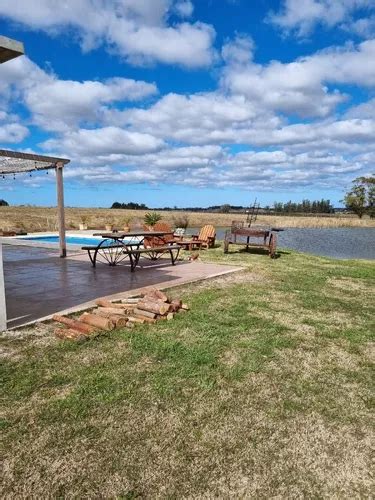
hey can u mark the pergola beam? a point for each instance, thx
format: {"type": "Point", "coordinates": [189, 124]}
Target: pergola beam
{"type": "Point", "coordinates": [16, 162]}
{"type": "Point", "coordinates": [9, 49]}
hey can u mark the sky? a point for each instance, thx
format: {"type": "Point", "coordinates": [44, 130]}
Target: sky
{"type": "Point", "coordinates": [190, 102]}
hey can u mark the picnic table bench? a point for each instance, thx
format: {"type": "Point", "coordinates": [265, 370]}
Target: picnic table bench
{"type": "Point", "coordinates": [113, 249]}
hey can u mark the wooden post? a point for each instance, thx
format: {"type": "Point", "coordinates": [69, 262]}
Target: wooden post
{"type": "Point", "coordinates": [3, 309]}
{"type": "Point", "coordinates": [60, 208]}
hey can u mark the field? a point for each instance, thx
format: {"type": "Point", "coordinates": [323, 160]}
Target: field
{"type": "Point", "coordinates": [264, 389]}
{"type": "Point", "coordinates": [34, 219]}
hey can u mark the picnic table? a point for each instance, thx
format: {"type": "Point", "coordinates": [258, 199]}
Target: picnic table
{"type": "Point", "coordinates": [118, 246]}
{"type": "Point", "coordinates": [265, 238]}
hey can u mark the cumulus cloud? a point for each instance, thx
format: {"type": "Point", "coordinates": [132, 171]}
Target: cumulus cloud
{"type": "Point", "coordinates": [13, 132]}
{"type": "Point", "coordinates": [301, 16]}
{"type": "Point", "coordinates": [184, 8]}
{"type": "Point", "coordinates": [104, 141]}
{"type": "Point", "coordinates": [137, 29]}
{"type": "Point", "coordinates": [59, 105]}
{"type": "Point", "coordinates": [300, 87]}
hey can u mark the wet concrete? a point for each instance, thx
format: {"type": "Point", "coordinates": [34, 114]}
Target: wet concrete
{"type": "Point", "coordinates": [39, 283]}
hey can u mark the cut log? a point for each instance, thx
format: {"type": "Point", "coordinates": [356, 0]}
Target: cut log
{"type": "Point", "coordinates": [155, 307]}
{"type": "Point", "coordinates": [145, 319]}
{"type": "Point", "coordinates": [69, 334]}
{"type": "Point", "coordinates": [130, 300]}
{"type": "Point", "coordinates": [155, 294]}
{"type": "Point", "coordinates": [129, 324]}
{"type": "Point", "coordinates": [141, 312]}
{"type": "Point", "coordinates": [74, 324]}
{"type": "Point", "coordinates": [176, 305]}
{"type": "Point", "coordinates": [185, 307]}
{"type": "Point", "coordinates": [98, 321]}
{"type": "Point", "coordinates": [114, 305]}
{"type": "Point", "coordinates": [170, 316]}
{"type": "Point", "coordinates": [112, 310]}
{"type": "Point", "coordinates": [118, 320]}
{"type": "Point", "coordinates": [133, 319]}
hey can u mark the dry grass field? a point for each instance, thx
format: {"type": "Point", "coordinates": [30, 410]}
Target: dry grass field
{"type": "Point", "coordinates": [34, 219]}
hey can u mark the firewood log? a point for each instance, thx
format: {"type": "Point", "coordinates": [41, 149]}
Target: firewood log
{"type": "Point", "coordinates": [74, 324]}
{"type": "Point", "coordinates": [144, 318]}
{"type": "Point", "coordinates": [129, 324]}
{"type": "Point", "coordinates": [176, 305]}
{"type": "Point", "coordinates": [155, 294]}
{"type": "Point", "coordinates": [170, 316]}
{"type": "Point", "coordinates": [155, 307]}
{"type": "Point", "coordinates": [118, 320]}
{"type": "Point", "coordinates": [133, 319]}
{"type": "Point", "coordinates": [69, 334]}
{"type": "Point", "coordinates": [185, 307]}
{"type": "Point", "coordinates": [112, 310]}
{"type": "Point", "coordinates": [130, 300]}
{"type": "Point", "coordinates": [113, 305]}
{"type": "Point", "coordinates": [98, 321]}
{"type": "Point", "coordinates": [141, 312]}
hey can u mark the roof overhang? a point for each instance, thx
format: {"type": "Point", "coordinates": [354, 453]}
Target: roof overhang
{"type": "Point", "coordinates": [14, 162]}
{"type": "Point", "coordinates": [9, 49]}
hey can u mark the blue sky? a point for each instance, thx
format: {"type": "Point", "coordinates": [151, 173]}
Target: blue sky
{"type": "Point", "coordinates": [190, 102]}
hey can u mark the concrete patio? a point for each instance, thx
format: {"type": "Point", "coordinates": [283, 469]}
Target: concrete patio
{"type": "Point", "coordinates": [38, 283]}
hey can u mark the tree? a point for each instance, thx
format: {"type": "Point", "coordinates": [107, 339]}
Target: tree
{"type": "Point", "coordinates": [4, 203]}
{"type": "Point", "coordinates": [361, 197]}
{"type": "Point", "coordinates": [225, 209]}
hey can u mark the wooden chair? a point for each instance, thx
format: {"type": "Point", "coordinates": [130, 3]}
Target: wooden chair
{"type": "Point", "coordinates": [155, 241]}
{"type": "Point", "coordinates": [206, 236]}
{"type": "Point", "coordinates": [205, 239]}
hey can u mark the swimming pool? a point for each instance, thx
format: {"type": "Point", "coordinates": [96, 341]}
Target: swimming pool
{"type": "Point", "coordinates": [70, 240]}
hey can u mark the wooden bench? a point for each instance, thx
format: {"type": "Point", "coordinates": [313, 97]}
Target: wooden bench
{"type": "Point", "coordinates": [153, 253]}
{"type": "Point", "coordinates": [115, 253]}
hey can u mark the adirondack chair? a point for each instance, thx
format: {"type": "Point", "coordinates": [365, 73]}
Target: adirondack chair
{"type": "Point", "coordinates": [205, 238]}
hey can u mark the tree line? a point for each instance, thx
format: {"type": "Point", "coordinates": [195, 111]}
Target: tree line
{"type": "Point", "coordinates": [305, 206]}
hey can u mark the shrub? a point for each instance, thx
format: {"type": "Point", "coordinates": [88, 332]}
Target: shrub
{"type": "Point", "coordinates": [181, 221]}
{"type": "Point", "coordinates": [151, 218]}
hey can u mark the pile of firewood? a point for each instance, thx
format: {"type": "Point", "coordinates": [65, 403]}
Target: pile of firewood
{"type": "Point", "coordinates": [153, 306]}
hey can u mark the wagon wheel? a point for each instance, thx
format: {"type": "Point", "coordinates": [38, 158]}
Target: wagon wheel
{"type": "Point", "coordinates": [272, 245]}
{"type": "Point", "coordinates": [110, 252]}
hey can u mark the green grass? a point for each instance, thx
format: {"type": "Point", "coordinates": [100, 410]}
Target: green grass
{"type": "Point", "coordinates": [264, 388]}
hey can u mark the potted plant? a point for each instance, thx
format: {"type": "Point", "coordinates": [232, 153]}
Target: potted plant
{"type": "Point", "coordinates": [127, 221]}
{"type": "Point", "coordinates": [151, 218]}
{"type": "Point", "coordinates": [109, 225]}
{"type": "Point", "coordinates": [83, 224]}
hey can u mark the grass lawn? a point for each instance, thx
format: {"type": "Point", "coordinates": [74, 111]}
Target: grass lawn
{"type": "Point", "coordinates": [262, 389]}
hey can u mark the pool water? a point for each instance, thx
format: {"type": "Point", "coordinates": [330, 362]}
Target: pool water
{"type": "Point", "coordinates": [70, 240]}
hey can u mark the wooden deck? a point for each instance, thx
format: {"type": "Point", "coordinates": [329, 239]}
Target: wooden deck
{"type": "Point", "coordinates": [39, 283]}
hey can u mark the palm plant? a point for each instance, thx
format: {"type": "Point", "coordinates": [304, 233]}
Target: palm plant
{"type": "Point", "coordinates": [151, 218]}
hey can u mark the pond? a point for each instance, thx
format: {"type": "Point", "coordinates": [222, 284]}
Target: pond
{"type": "Point", "coordinates": [340, 243]}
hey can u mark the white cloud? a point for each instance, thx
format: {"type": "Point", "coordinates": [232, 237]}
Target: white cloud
{"type": "Point", "coordinates": [184, 8]}
{"type": "Point", "coordinates": [300, 87]}
{"type": "Point", "coordinates": [13, 133]}
{"type": "Point", "coordinates": [59, 105]}
{"type": "Point", "coordinates": [137, 29]}
{"type": "Point", "coordinates": [104, 141]}
{"type": "Point", "coordinates": [301, 16]}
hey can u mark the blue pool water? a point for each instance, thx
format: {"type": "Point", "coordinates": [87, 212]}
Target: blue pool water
{"type": "Point", "coordinates": [70, 240]}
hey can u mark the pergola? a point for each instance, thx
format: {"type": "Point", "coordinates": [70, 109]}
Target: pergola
{"type": "Point", "coordinates": [9, 49]}
{"type": "Point", "coordinates": [13, 162]}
